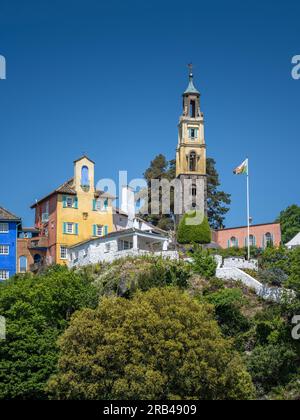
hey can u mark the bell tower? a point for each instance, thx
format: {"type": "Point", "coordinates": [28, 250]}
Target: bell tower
{"type": "Point", "coordinates": [191, 150]}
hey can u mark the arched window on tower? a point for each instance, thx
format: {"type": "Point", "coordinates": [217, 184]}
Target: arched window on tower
{"type": "Point", "coordinates": [192, 109]}
{"type": "Point", "coordinates": [192, 161]}
{"type": "Point", "coordinates": [194, 190]}
{"type": "Point", "coordinates": [85, 182]}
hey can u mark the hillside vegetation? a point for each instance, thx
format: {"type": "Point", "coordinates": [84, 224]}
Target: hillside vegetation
{"type": "Point", "coordinates": [149, 328]}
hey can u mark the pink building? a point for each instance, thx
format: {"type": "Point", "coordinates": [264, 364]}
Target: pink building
{"type": "Point", "coordinates": [260, 236]}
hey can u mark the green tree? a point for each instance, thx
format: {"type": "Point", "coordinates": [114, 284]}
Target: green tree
{"type": "Point", "coordinates": [37, 310]}
{"type": "Point", "coordinates": [290, 222]}
{"type": "Point", "coordinates": [218, 201]}
{"type": "Point", "coordinates": [161, 344]}
{"type": "Point", "coordinates": [188, 233]}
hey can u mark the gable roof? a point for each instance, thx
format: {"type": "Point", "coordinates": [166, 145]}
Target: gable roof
{"type": "Point", "coordinates": [66, 188]}
{"type": "Point", "coordinates": [7, 215]}
{"type": "Point", "coordinates": [84, 157]}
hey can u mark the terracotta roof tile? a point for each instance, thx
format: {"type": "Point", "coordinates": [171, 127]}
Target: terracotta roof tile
{"type": "Point", "coordinates": [7, 215]}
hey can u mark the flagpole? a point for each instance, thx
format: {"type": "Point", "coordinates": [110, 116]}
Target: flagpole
{"type": "Point", "coordinates": [248, 209]}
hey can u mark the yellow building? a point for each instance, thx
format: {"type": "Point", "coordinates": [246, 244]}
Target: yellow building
{"type": "Point", "coordinates": [72, 213]}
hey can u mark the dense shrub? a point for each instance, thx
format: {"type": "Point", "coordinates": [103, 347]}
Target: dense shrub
{"type": "Point", "coordinates": [37, 310]}
{"type": "Point", "coordinates": [272, 276]}
{"type": "Point", "coordinates": [193, 233]}
{"type": "Point", "coordinates": [271, 365]}
{"type": "Point", "coordinates": [203, 263]}
{"type": "Point", "coordinates": [125, 276]}
{"type": "Point", "coordinates": [227, 303]}
{"type": "Point", "coordinates": [161, 344]}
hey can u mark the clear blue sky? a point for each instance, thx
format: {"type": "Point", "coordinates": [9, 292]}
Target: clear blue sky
{"type": "Point", "coordinates": [106, 78]}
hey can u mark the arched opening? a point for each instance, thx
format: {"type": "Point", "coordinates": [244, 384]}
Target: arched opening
{"type": "Point", "coordinates": [192, 161]}
{"type": "Point", "coordinates": [37, 259]}
{"type": "Point", "coordinates": [23, 264]}
{"type": "Point", "coordinates": [192, 109]}
{"type": "Point", "coordinates": [252, 240]}
{"type": "Point", "coordinates": [233, 242]}
{"type": "Point", "coordinates": [85, 181]}
{"type": "Point", "coordinates": [268, 239]}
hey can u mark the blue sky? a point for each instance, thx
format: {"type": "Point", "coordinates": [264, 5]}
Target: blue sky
{"type": "Point", "coordinates": [106, 78]}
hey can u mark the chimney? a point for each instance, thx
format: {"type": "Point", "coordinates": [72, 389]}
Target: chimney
{"type": "Point", "coordinates": [128, 203]}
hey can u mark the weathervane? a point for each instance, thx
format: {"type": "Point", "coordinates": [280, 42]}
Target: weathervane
{"type": "Point", "coordinates": [190, 66]}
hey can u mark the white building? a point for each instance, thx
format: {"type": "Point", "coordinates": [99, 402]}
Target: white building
{"type": "Point", "coordinates": [119, 244]}
{"type": "Point", "coordinates": [132, 236]}
{"type": "Point", "coordinates": [294, 242]}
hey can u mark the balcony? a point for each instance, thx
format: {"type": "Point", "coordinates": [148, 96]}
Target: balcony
{"type": "Point", "coordinates": [40, 242]}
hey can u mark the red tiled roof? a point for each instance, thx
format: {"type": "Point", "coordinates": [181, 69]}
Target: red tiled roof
{"type": "Point", "coordinates": [66, 188]}
{"type": "Point", "coordinates": [7, 215]}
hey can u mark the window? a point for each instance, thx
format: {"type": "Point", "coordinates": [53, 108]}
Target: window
{"type": "Point", "coordinates": [252, 240]}
{"type": "Point", "coordinates": [268, 239]}
{"type": "Point", "coordinates": [4, 249]}
{"type": "Point", "coordinates": [45, 214]}
{"type": "Point", "coordinates": [100, 205]}
{"type": "Point", "coordinates": [124, 245]}
{"type": "Point", "coordinates": [4, 274]}
{"type": "Point", "coordinates": [98, 230]}
{"type": "Point", "coordinates": [193, 133]}
{"type": "Point", "coordinates": [234, 242]}
{"type": "Point", "coordinates": [107, 247]}
{"type": "Point", "coordinates": [70, 228]}
{"type": "Point", "coordinates": [70, 202]}
{"type": "Point", "coordinates": [192, 162]}
{"type": "Point", "coordinates": [63, 253]}
{"type": "Point", "coordinates": [23, 264]}
{"type": "Point", "coordinates": [4, 228]}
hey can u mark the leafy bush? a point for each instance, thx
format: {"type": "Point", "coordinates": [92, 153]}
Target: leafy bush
{"type": "Point", "coordinates": [198, 233]}
{"type": "Point", "coordinates": [271, 365]}
{"type": "Point", "coordinates": [227, 303]}
{"type": "Point", "coordinates": [203, 263]}
{"type": "Point", "coordinates": [123, 277]}
{"type": "Point", "coordinates": [161, 344]}
{"type": "Point", "coordinates": [272, 276]}
{"type": "Point", "coordinates": [37, 310]}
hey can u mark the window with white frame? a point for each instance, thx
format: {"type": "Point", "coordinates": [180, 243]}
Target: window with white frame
{"type": "Point", "coordinates": [69, 202]}
{"type": "Point", "coordinates": [124, 245]}
{"type": "Point", "coordinates": [4, 274]}
{"type": "Point", "coordinates": [99, 230]}
{"type": "Point", "coordinates": [63, 253]}
{"type": "Point", "coordinates": [4, 228]}
{"type": "Point", "coordinates": [4, 249]}
{"type": "Point", "coordinates": [70, 228]}
{"type": "Point", "coordinates": [107, 247]}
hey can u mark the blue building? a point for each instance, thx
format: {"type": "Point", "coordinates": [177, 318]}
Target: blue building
{"type": "Point", "coordinates": [9, 224]}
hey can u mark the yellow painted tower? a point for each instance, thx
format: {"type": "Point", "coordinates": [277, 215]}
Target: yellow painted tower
{"type": "Point", "coordinates": [191, 150]}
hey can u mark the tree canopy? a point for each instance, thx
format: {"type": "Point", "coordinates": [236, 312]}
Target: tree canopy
{"type": "Point", "coordinates": [37, 309]}
{"type": "Point", "coordinates": [290, 222]}
{"type": "Point", "coordinates": [198, 233]}
{"type": "Point", "coordinates": [218, 201]}
{"type": "Point", "coordinates": [161, 344]}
